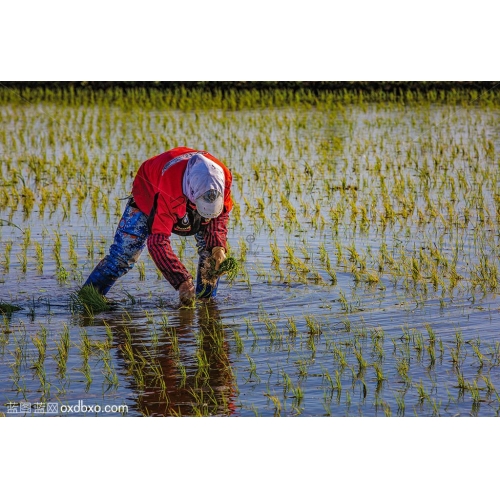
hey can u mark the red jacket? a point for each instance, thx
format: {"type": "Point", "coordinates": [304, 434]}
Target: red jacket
{"type": "Point", "coordinates": [163, 175]}
{"type": "Point", "coordinates": [151, 179]}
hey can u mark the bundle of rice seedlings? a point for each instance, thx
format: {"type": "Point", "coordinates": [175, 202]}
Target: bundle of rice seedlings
{"type": "Point", "coordinates": [8, 308]}
{"type": "Point", "coordinates": [90, 300]}
{"type": "Point", "coordinates": [209, 275]}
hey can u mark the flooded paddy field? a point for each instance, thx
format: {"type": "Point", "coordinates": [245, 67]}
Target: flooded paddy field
{"type": "Point", "coordinates": [367, 235]}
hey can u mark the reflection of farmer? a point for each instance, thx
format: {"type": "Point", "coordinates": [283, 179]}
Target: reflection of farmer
{"type": "Point", "coordinates": [182, 191]}
{"type": "Point", "coordinates": [208, 384]}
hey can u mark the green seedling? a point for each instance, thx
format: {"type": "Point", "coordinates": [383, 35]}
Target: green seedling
{"type": "Point", "coordinates": [209, 275]}
{"type": "Point", "coordinates": [8, 309]}
{"type": "Point", "coordinates": [89, 300]}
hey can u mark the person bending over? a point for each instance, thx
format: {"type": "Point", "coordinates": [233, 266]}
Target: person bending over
{"type": "Point", "coordinates": [182, 191]}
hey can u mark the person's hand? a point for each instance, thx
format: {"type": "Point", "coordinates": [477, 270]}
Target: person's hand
{"type": "Point", "coordinates": [219, 255]}
{"type": "Point", "coordinates": [187, 292]}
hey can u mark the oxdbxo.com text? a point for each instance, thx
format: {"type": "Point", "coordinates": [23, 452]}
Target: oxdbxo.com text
{"type": "Point", "coordinates": [80, 407]}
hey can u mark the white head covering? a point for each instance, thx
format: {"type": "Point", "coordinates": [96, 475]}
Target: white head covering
{"type": "Point", "coordinates": [203, 184]}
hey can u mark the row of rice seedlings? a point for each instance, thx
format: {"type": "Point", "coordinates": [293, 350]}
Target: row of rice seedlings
{"type": "Point", "coordinates": [196, 99]}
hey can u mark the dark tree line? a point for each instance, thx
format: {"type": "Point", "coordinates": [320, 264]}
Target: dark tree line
{"type": "Point", "coordinates": [385, 86]}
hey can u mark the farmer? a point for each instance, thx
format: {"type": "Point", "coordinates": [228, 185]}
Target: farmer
{"type": "Point", "coordinates": [182, 191]}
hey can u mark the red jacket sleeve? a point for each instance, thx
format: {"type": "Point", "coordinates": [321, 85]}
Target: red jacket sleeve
{"type": "Point", "coordinates": [216, 231]}
{"type": "Point", "coordinates": [165, 259]}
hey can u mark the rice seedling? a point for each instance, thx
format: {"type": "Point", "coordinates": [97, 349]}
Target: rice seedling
{"type": "Point", "coordinates": [252, 372]}
{"type": "Point", "coordinates": [88, 299]}
{"type": "Point", "coordinates": [23, 260]}
{"type": "Point", "coordinates": [40, 342]}
{"type": "Point", "coordinates": [287, 383]}
{"type": "Point", "coordinates": [202, 372]}
{"type": "Point", "coordinates": [63, 346]}
{"type": "Point", "coordinates": [39, 257]}
{"type": "Point", "coordinates": [403, 367]}
{"type": "Point", "coordinates": [141, 267]}
{"type": "Point", "coordinates": [57, 249]}
{"type": "Point", "coordinates": [400, 400]}
{"type": "Point", "coordinates": [250, 328]}
{"type": "Point", "coordinates": [238, 341]}
{"type": "Point", "coordinates": [90, 247]}
{"type": "Point", "coordinates": [302, 368]}
{"type": "Point", "coordinates": [344, 304]}
{"type": "Point", "coordinates": [379, 373]}
{"type": "Point", "coordinates": [298, 396]}
{"type": "Point", "coordinates": [313, 326]}
{"type": "Point", "coordinates": [111, 380]}
{"type": "Point", "coordinates": [276, 403]}
{"type": "Point", "coordinates": [62, 275]}
{"type": "Point", "coordinates": [340, 357]}
{"type": "Point", "coordinates": [477, 351]}
{"type": "Point", "coordinates": [182, 374]}
{"type": "Point", "coordinates": [7, 309]}
{"type": "Point", "coordinates": [292, 326]}
{"type": "Point", "coordinates": [210, 276]}
{"type": "Point", "coordinates": [6, 256]}
{"type": "Point", "coordinates": [72, 255]}
{"type": "Point", "coordinates": [362, 364]}
{"type": "Point", "coordinates": [173, 340]}
{"type": "Point", "coordinates": [422, 393]}
{"type": "Point", "coordinates": [490, 388]}
{"type": "Point", "coordinates": [338, 383]}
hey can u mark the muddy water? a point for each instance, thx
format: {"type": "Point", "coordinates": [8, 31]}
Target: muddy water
{"type": "Point", "coordinates": [276, 341]}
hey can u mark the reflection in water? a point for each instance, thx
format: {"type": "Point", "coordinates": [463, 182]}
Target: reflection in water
{"type": "Point", "coordinates": [179, 369]}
